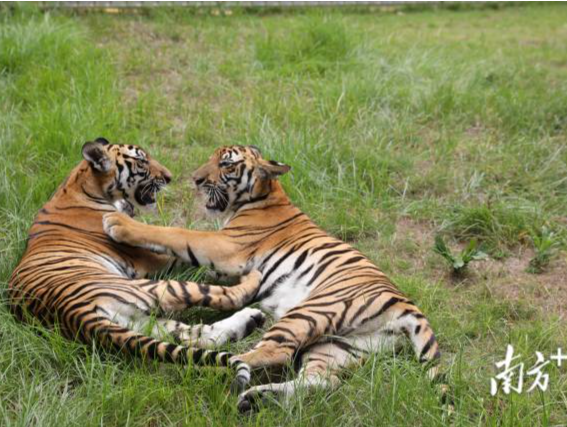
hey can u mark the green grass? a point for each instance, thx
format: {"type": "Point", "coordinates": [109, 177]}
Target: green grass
{"type": "Point", "coordinates": [397, 127]}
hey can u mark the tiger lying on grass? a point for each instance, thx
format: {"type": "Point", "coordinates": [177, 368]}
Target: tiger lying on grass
{"type": "Point", "coordinates": [73, 276]}
{"type": "Point", "coordinates": [334, 306]}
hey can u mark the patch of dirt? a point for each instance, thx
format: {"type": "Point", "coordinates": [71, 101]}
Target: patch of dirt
{"type": "Point", "coordinates": [475, 131]}
{"type": "Point", "coordinates": [507, 278]}
{"type": "Point", "coordinates": [558, 64]}
{"type": "Point", "coordinates": [421, 234]}
{"type": "Point", "coordinates": [532, 42]}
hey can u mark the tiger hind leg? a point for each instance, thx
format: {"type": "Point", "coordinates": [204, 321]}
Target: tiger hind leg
{"type": "Point", "coordinates": [320, 364]}
{"type": "Point", "coordinates": [416, 327]}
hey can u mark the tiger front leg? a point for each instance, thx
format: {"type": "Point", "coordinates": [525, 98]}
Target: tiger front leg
{"type": "Point", "coordinates": [123, 229]}
{"type": "Point", "coordinates": [194, 247]}
{"type": "Point", "coordinates": [172, 295]}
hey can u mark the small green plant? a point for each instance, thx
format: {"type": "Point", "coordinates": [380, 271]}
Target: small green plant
{"type": "Point", "coordinates": [545, 244]}
{"type": "Point", "coordinates": [459, 262]}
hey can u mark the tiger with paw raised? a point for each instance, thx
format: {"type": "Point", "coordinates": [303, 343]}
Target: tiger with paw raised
{"type": "Point", "coordinates": [74, 276]}
{"type": "Point", "coordinates": [333, 306]}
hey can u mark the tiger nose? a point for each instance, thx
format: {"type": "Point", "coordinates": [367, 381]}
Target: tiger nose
{"type": "Point", "coordinates": [167, 176]}
{"type": "Point", "coordinates": [197, 180]}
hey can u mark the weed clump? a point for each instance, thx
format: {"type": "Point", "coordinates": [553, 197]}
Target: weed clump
{"type": "Point", "coordinates": [459, 262]}
{"type": "Point", "coordinates": [546, 245]}
{"type": "Point", "coordinates": [498, 226]}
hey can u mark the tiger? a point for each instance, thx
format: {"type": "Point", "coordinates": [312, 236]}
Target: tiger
{"type": "Point", "coordinates": [332, 306]}
{"type": "Point", "coordinates": [73, 277]}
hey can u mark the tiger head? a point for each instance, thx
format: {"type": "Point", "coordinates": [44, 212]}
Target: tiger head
{"type": "Point", "coordinates": [235, 176]}
{"type": "Point", "coordinates": [126, 175]}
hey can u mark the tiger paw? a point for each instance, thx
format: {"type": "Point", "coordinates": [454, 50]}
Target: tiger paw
{"type": "Point", "coordinates": [234, 328]}
{"type": "Point", "coordinates": [246, 403]}
{"type": "Point", "coordinates": [252, 399]}
{"type": "Point", "coordinates": [248, 319]}
{"type": "Point", "coordinates": [117, 226]}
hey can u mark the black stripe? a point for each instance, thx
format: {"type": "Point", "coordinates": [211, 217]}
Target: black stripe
{"type": "Point", "coordinates": [224, 359]}
{"type": "Point", "coordinates": [352, 260]}
{"type": "Point", "coordinates": [392, 301]}
{"type": "Point", "coordinates": [277, 338]}
{"type": "Point", "coordinates": [300, 316]}
{"type": "Point", "coordinates": [168, 353]}
{"type": "Point", "coordinates": [197, 354]}
{"type": "Point", "coordinates": [300, 259]}
{"type": "Point", "coordinates": [192, 257]}
{"type": "Point", "coordinates": [426, 348]}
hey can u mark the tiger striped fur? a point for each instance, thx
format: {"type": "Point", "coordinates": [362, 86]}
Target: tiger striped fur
{"type": "Point", "coordinates": [73, 276]}
{"type": "Point", "coordinates": [334, 307]}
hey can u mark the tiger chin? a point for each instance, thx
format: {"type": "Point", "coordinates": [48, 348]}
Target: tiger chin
{"type": "Point", "coordinates": [74, 277]}
{"type": "Point", "coordinates": [333, 306]}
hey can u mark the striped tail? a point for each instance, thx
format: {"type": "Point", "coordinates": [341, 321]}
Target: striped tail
{"type": "Point", "coordinates": [110, 334]}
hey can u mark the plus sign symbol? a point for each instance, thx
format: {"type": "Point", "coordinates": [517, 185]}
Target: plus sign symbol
{"type": "Point", "coordinates": [559, 357]}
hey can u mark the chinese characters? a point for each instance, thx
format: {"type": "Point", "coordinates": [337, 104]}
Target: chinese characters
{"type": "Point", "coordinates": [511, 377]}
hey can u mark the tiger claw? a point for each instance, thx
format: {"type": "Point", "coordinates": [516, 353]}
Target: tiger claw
{"type": "Point", "coordinates": [251, 400]}
{"type": "Point", "coordinates": [244, 405]}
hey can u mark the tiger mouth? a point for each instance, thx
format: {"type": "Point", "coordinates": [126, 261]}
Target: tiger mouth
{"type": "Point", "coordinates": [146, 194]}
{"type": "Point", "coordinates": [216, 198]}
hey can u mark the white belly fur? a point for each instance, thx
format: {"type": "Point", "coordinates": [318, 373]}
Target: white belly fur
{"type": "Point", "coordinates": [289, 293]}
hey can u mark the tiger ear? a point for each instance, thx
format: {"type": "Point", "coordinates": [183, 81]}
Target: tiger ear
{"type": "Point", "coordinates": [96, 156]}
{"type": "Point", "coordinates": [270, 169]}
{"type": "Point", "coordinates": [255, 150]}
{"type": "Point", "coordinates": [102, 141]}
